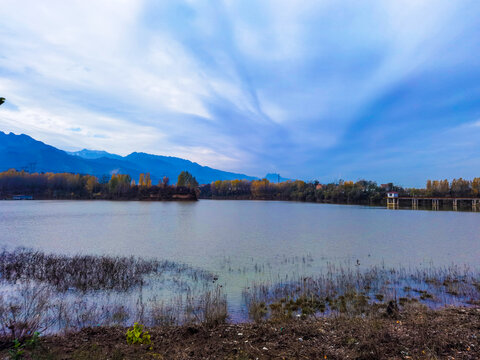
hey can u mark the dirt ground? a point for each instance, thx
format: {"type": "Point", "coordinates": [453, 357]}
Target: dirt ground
{"type": "Point", "coordinates": [452, 333]}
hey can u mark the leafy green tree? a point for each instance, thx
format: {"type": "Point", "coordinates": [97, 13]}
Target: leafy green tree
{"type": "Point", "coordinates": [2, 100]}
{"type": "Point", "coordinates": [186, 179]}
{"type": "Point", "coordinates": [119, 184]}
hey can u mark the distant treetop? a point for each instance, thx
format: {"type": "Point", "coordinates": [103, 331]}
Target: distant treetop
{"type": "Point", "coordinates": [187, 179]}
{"type": "Point", "coordinates": [2, 100]}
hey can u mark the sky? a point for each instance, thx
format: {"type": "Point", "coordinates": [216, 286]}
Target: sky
{"type": "Point", "coordinates": [325, 89]}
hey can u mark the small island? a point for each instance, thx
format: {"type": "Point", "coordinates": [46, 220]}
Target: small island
{"type": "Point", "coordinates": [21, 185]}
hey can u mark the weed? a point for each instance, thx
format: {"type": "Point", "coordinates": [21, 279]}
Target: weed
{"type": "Point", "coordinates": [18, 350]}
{"type": "Point", "coordinates": [137, 335]}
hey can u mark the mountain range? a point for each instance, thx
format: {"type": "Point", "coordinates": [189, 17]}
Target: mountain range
{"type": "Point", "coordinates": [23, 152]}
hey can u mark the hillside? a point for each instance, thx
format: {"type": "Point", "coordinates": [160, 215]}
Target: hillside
{"type": "Point", "coordinates": [22, 152]}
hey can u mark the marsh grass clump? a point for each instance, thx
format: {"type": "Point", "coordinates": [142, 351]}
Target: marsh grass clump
{"type": "Point", "coordinates": [351, 303]}
{"type": "Point", "coordinates": [26, 311]}
{"type": "Point", "coordinates": [257, 310]}
{"type": "Point", "coordinates": [31, 307]}
{"type": "Point", "coordinates": [162, 313]}
{"type": "Point", "coordinates": [87, 272]}
{"type": "Point", "coordinates": [353, 292]}
{"type": "Point", "coordinates": [52, 293]}
{"type": "Point", "coordinates": [209, 309]}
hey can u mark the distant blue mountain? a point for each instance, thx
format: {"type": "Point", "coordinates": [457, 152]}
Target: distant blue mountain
{"type": "Point", "coordinates": [93, 154]}
{"type": "Point", "coordinates": [276, 178]}
{"type": "Point", "coordinates": [22, 152]}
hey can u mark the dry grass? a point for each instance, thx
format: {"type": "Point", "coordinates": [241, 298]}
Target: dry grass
{"type": "Point", "coordinates": [57, 293]}
{"type": "Point", "coordinates": [352, 291]}
{"type": "Point", "coordinates": [86, 272]}
{"type": "Point", "coordinates": [417, 333]}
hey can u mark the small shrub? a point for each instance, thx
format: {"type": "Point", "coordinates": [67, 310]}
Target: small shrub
{"type": "Point", "coordinates": [26, 311]}
{"type": "Point", "coordinates": [18, 350]}
{"type": "Point", "coordinates": [257, 310]}
{"type": "Point", "coordinates": [137, 335]}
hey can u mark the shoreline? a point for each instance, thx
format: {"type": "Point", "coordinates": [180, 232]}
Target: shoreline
{"type": "Point", "coordinates": [192, 198]}
{"type": "Point", "coordinates": [413, 333]}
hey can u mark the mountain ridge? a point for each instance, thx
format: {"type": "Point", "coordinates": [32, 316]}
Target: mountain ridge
{"type": "Point", "coordinates": [93, 154]}
{"type": "Point", "coordinates": [24, 152]}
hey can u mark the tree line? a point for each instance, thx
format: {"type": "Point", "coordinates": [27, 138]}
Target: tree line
{"type": "Point", "coordinates": [343, 192]}
{"type": "Point", "coordinates": [78, 186]}
{"type": "Point", "coordinates": [360, 192]}
{"type": "Point", "coordinates": [122, 186]}
{"type": "Point", "coordinates": [443, 188]}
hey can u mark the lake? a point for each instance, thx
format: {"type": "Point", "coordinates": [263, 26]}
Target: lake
{"type": "Point", "coordinates": [245, 241]}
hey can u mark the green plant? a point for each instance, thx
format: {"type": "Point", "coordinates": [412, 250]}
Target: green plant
{"type": "Point", "coordinates": [33, 341]}
{"type": "Point", "coordinates": [137, 335]}
{"type": "Point", "coordinates": [18, 349]}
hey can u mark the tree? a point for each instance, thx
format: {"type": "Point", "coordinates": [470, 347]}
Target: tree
{"type": "Point", "coordinates": [444, 187]}
{"type": "Point", "coordinates": [148, 181]}
{"type": "Point", "coordinates": [2, 100]}
{"type": "Point", "coordinates": [145, 180]}
{"type": "Point", "coordinates": [119, 184]}
{"type": "Point", "coordinates": [186, 179]}
{"type": "Point", "coordinates": [476, 186]}
{"type": "Point", "coordinates": [165, 181]}
{"type": "Point", "coordinates": [91, 184]}
{"type": "Point", "coordinates": [429, 188]}
{"type": "Point", "coordinates": [261, 188]}
{"type": "Point", "coordinates": [461, 187]}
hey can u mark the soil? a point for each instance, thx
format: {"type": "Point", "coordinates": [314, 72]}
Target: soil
{"type": "Point", "coordinates": [451, 333]}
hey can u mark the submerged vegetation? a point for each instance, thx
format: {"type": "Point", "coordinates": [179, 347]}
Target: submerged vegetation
{"type": "Point", "coordinates": [48, 292]}
{"type": "Point", "coordinates": [355, 292]}
{"type": "Point", "coordinates": [51, 293]}
{"type": "Point", "coordinates": [362, 313]}
{"type": "Point", "coordinates": [86, 272]}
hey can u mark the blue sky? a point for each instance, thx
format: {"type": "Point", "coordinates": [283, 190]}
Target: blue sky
{"type": "Point", "coordinates": [384, 90]}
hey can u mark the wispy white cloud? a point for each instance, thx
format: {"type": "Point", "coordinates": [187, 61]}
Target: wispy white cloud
{"type": "Point", "coordinates": [289, 86]}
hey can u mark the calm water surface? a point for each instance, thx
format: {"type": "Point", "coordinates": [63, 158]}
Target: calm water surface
{"type": "Point", "coordinates": [243, 241]}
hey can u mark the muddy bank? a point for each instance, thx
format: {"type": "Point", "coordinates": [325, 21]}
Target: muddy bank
{"type": "Point", "coordinates": [415, 333]}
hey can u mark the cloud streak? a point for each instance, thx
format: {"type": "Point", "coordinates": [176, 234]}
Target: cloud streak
{"type": "Point", "coordinates": [376, 89]}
